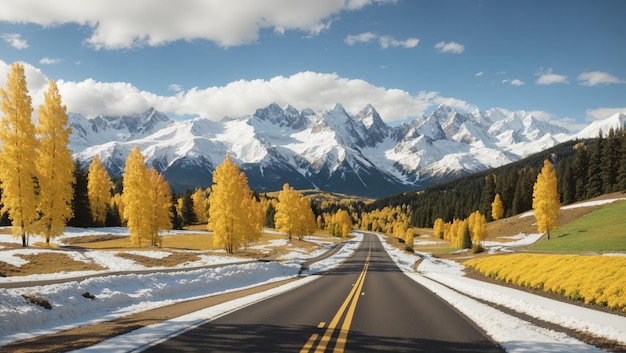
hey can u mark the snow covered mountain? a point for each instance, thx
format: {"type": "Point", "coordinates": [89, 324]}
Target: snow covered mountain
{"type": "Point", "coordinates": [328, 150]}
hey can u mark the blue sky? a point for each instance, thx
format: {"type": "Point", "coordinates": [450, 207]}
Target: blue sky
{"type": "Point", "coordinates": [563, 60]}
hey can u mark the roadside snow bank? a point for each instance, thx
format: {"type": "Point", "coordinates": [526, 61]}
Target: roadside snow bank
{"type": "Point", "coordinates": [447, 280]}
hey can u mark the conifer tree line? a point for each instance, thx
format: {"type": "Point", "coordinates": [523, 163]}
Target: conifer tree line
{"type": "Point", "coordinates": [584, 169]}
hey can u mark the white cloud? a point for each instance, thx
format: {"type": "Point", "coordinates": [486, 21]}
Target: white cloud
{"type": "Point", "coordinates": [118, 24]}
{"type": "Point", "coordinates": [15, 40]}
{"type": "Point", "coordinates": [360, 38]}
{"type": "Point", "coordinates": [603, 113]}
{"type": "Point", "coordinates": [593, 78]}
{"type": "Point", "coordinates": [390, 42]}
{"type": "Point", "coordinates": [49, 61]}
{"type": "Point", "coordinates": [547, 77]}
{"type": "Point", "coordinates": [175, 87]}
{"type": "Point", "coordinates": [450, 47]}
{"type": "Point", "coordinates": [385, 42]}
{"type": "Point", "coordinates": [514, 82]}
{"type": "Point", "coordinates": [479, 74]}
{"type": "Point", "coordinates": [318, 91]}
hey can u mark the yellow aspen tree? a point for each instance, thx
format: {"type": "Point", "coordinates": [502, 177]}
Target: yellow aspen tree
{"type": "Point", "coordinates": [199, 199]}
{"type": "Point", "coordinates": [293, 214]}
{"type": "Point", "coordinates": [136, 198]}
{"type": "Point", "coordinates": [54, 165]}
{"type": "Point", "coordinates": [17, 168]}
{"type": "Point", "coordinates": [159, 206]}
{"type": "Point", "coordinates": [497, 208]}
{"type": "Point", "coordinates": [233, 216]}
{"type": "Point", "coordinates": [98, 190]}
{"type": "Point", "coordinates": [255, 215]}
{"type": "Point", "coordinates": [478, 226]}
{"type": "Point", "coordinates": [438, 228]}
{"type": "Point", "coordinates": [409, 237]}
{"type": "Point", "coordinates": [546, 202]}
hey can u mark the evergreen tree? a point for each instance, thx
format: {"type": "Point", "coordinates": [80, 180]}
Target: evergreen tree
{"type": "Point", "coordinates": [80, 201]}
{"type": "Point", "coordinates": [489, 192]}
{"type": "Point", "coordinates": [54, 166]}
{"type": "Point", "coordinates": [522, 200]}
{"type": "Point", "coordinates": [567, 184]}
{"type": "Point", "coordinates": [18, 173]}
{"type": "Point", "coordinates": [580, 171]}
{"type": "Point", "coordinates": [99, 191]}
{"type": "Point", "coordinates": [187, 209]}
{"type": "Point", "coordinates": [621, 172]}
{"type": "Point", "coordinates": [546, 199]}
{"type": "Point", "coordinates": [159, 206]}
{"type": "Point", "coordinates": [269, 216]}
{"type": "Point", "coordinates": [177, 222]}
{"type": "Point", "coordinates": [293, 214]}
{"type": "Point", "coordinates": [610, 160]}
{"type": "Point", "coordinates": [232, 209]}
{"type": "Point", "coordinates": [113, 217]}
{"type": "Point", "coordinates": [136, 198]}
{"type": "Point", "coordinates": [594, 178]}
{"type": "Point", "coordinates": [497, 211]}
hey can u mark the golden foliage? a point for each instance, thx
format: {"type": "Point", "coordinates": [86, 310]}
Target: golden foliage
{"type": "Point", "coordinates": [497, 208]}
{"type": "Point", "coordinates": [54, 166]}
{"type": "Point", "coordinates": [593, 279]}
{"type": "Point", "coordinates": [235, 217]}
{"type": "Point", "coordinates": [17, 170]}
{"type": "Point", "coordinates": [293, 214]}
{"type": "Point", "coordinates": [546, 199]}
{"type": "Point", "coordinates": [98, 190]}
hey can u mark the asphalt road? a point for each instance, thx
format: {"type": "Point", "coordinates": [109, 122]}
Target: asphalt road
{"type": "Point", "coordinates": [365, 305]}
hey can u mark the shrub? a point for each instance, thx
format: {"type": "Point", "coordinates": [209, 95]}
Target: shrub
{"type": "Point", "coordinates": [37, 300]}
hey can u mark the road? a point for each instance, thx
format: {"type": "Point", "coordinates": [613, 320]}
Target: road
{"type": "Point", "coordinates": [365, 305]}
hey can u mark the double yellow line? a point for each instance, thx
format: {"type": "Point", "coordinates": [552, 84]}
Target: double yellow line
{"type": "Point", "coordinates": [348, 308]}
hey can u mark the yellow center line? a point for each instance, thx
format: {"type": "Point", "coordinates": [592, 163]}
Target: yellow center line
{"type": "Point", "coordinates": [350, 300]}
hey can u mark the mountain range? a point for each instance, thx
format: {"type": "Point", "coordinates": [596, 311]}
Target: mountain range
{"type": "Point", "coordinates": [356, 154]}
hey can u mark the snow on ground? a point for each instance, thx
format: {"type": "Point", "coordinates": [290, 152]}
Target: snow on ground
{"type": "Point", "coordinates": [577, 205]}
{"type": "Point", "coordinates": [121, 295]}
{"type": "Point", "coordinates": [446, 279]}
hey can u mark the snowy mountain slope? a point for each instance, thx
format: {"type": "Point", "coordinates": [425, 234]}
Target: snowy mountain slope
{"type": "Point", "coordinates": [615, 121]}
{"type": "Point", "coordinates": [329, 150]}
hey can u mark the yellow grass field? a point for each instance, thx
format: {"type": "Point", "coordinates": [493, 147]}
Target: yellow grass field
{"type": "Point", "coordinates": [594, 279]}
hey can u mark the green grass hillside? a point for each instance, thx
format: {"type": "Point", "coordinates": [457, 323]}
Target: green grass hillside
{"type": "Point", "coordinates": [601, 230]}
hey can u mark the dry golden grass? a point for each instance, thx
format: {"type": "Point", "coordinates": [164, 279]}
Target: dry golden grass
{"type": "Point", "coordinates": [184, 248]}
{"type": "Point", "coordinates": [46, 262]}
{"type": "Point", "coordinates": [176, 258]}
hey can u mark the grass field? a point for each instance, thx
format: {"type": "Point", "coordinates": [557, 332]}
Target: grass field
{"type": "Point", "coordinates": [601, 230]}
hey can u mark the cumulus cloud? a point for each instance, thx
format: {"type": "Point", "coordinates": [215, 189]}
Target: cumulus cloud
{"type": "Point", "coordinates": [548, 77]}
{"type": "Point", "coordinates": [318, 91]}
{"type": "Point", "coordinates": [514, 82]}
{"type": "Point", "coordinates": [15, 40]}
{"type": "Point", "coordinates": [118, 24]}
{"type": "Point", "coordinates": [450, 47]}
{"type": "Point", "coordinates": [479, 74]}
{"type": "Point", "coordinates": [49, 61]}
{"type": "Point", "coordinates": [603, 113]}
{"type": "Point", "coordinates": [593, 78]}
{"type": "Point", "coordinates": [384, 41]}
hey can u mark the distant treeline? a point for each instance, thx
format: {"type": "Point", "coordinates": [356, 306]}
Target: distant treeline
{"type": "Point", "coordinates": [585, 169]}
